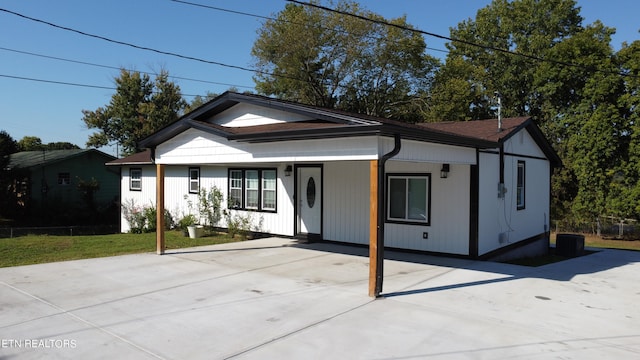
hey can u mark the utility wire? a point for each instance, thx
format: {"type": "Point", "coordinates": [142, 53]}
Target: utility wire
{"type": "Point", "coordinates": [139, 47]}
{"type": "Point", "coordinates": [117, 68]}
{"type": "Point", "coordinates": [470, 43]}
{"type": "Point", "coordinates": [273, 19]}
{"type": "Point", "coordinates": [73, 84]}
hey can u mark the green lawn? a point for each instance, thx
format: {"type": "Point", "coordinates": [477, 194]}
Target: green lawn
{"type": "Point", "coordinates": [35, 249]}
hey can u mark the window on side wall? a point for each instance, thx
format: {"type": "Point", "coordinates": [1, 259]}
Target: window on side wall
{"type": "Point", "coordinates": [135, 179]}
{"type": "Point", "coordinates": [252, 189]}
{"type": "Point", "coordinates": [520, 185]}
{"type": "Point", "coordinates": [408, 198]}
{"type": "Point", "coordinates": [194, 180]}
{"type": "Point", "coordinates": [64, 178]}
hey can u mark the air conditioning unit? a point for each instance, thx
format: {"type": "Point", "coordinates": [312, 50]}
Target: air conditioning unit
{"type": "Point", "coordinates": [569, 245]}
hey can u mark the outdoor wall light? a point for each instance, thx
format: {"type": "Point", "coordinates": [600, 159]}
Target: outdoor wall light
{"type": "Point", "coordinates": [444, 172]}
{"type": "Point", "coordinates": [288, 170]}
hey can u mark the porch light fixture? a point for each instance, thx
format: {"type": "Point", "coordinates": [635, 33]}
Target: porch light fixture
{"type": "Point", "coordinates": [444, 172]}
{"type": "Point", "coordinates": [288, 170]}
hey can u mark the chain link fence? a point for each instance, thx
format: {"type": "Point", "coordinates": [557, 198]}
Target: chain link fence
{"type": "Point", "coordinates": [608, 227]}
{"type": "Point", "coordinates": [11, 232]}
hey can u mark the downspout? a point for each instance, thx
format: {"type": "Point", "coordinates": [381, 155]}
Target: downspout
{"type": "Point", "coordinates": [381, 212]}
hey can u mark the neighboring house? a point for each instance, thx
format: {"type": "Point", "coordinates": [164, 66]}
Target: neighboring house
{"type": "Point", "coordinates": [457, 188]}
{"type": "Point", "coordinates": [53, 184]}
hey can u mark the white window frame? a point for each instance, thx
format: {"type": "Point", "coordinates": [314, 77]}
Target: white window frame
{"type": "Point", "coordinates": [269, 186]}
{"type": "Point", "coordinates": [235, 189]}
{"type": "Point", "coordinates": [406, 201]}
{"type": "Point", "coordinates": [252, 188]}
{"type": "Point", "coordinates": [194, 183]}
{"type": "Point", "coordinates": [135, 182]}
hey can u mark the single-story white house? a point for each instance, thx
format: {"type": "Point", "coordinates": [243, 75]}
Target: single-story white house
{"type": "Point", "coordinates": [476, 189]}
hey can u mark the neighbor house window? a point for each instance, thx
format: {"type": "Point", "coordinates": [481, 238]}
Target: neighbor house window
{"type": "Point", "coordinates": [252, 189]}
{"type": "Point", "coordinates": [64, 178]}
{"type": "Point", "coordinates": [520, 185]}
{"type": "Point", "coordinates": [409, 198]}
{"type": "Point", "coordinates": [135, 179]}
{"type": "Point", "coordinates": [194, 180]}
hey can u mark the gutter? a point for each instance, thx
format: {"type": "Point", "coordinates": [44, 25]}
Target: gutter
{"type": "Point", "coordinates": [381, 213]}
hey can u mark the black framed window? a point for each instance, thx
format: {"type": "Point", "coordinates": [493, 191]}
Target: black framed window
{"type": "Point", "coordinates": [409, 198]}
{"type": "Point", "coordinates": [135, 179]}
{"type": "Point", "coordinates": [252, 189]}
{"type": "Point", "coordinates": [194, 180]}
{"type": "Point", "coordinates": [520, 185]}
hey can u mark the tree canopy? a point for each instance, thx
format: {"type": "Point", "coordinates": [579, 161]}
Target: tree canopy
{"type": "Point", "coordinates": [137, 109]}
{"type": "Point", "coordinates": [327, 59]}
{"type": "Point", "coordinates": [566, 76]}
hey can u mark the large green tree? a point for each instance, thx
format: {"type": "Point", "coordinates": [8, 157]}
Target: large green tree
{"type": "Point", "coordinates": [139, 107]}
{"type": "Point", "coordinates": [333, 60]}
{"type": "Point", "coordinates": [546, 64]}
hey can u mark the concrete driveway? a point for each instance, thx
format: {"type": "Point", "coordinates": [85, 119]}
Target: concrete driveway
{"type": "Point", "coordinates": [277, 299]}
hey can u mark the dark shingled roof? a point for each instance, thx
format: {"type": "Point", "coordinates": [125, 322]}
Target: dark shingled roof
{"type": "Point", "coordinates": [141, 158]}
{"type": "Point", "coordinates": [481, 129]}
{"type": "Point", "coordinates": [27, 159]}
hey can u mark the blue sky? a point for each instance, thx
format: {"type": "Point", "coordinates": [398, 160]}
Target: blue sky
{"type": "Point", "coordinates": [53, 112]}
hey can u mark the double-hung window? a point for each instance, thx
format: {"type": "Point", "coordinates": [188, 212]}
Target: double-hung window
{"type": "Point", "coordinates": [252, 189]}
{"type": "Point", "coordinates": [135, 179]}
{"type": "Point", "coordinates": [408, 198]}
{"type": "Point", "coordinates": [520, 185]}
{"type": "Point", "coordinates": [194, 180]}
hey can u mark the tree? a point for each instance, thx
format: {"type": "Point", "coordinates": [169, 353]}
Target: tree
{"type": "Point", "coordinates": [8, 146]}
{"type": "Point", "coordinates": [332, 60]}
{"type": "Point", "coordinates": [137, 109]}
{"type": "Point", "coordinates": [30, 143]}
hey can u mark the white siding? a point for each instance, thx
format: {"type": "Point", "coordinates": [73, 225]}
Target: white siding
{"type": "Point", "coordinates": [143, 198]}
{"type": "Point", "coordinates": [500, 215]}
{"type": "Point", "coordinates": [421, 151]}
{"type": "Point", "coordinates": [252, 115]}
{"type": "Point", "coordinates": [450, 206]}
{"type": "Point", "coordinates": [197, 147]}
{"type": "Point", "coordinates": [346, 201]}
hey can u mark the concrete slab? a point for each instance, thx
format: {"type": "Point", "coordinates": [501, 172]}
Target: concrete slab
{"type": "Point", "coordinates": [276, 298]}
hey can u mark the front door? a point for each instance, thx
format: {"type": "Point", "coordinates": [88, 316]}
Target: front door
{"type": "Point", "coordinates": [309, 198]}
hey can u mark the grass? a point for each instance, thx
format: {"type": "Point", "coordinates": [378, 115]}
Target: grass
{"type": "Point", "coordinates": [36, 249]}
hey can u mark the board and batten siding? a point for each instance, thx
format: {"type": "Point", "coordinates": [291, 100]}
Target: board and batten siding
{"type": "Point", "coordinates": [449, 228]}
{"type": "Point", "coordinates": [177, 195]}
{"type": "Point", "coordinates": [500, 215]}
{"type": "Point", "coordinates": [346, 201]}
{"type": "Point", "coordinates": [144, 197]}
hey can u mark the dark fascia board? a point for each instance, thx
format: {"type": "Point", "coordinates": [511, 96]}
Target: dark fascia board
{"type": "Point", "coordinates": [544, 144]}
{"type": "Point", "coordinates": [438, 137]}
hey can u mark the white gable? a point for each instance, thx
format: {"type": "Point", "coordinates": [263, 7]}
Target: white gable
{"type": "Point", "coordinates": [523, 144]}
{"type": "Point", "coordinates": [251, 115]}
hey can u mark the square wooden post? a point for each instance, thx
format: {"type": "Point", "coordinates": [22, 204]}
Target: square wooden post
{"type": "Point", "coordinates": [160, 209]}
{"type": "Point", "coordinates": [373, 228]}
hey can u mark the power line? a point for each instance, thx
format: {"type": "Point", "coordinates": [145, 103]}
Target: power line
{"type": "Point", "coordinates": [139, 47]}
{"type": "Point", "coordinates": [72, 84]}
{"type": "Point", "coordinates": [117, 68]}
{"type": "Point", "coordinates": [274, 19]}
{"type": "Point", "coordinates": [470, 43]}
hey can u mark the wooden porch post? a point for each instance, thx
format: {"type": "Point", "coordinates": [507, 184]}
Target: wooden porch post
{"type": "Point", "coordinates": [159, 209]}
{"type": "Point", "coordinates": [373, 228]}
